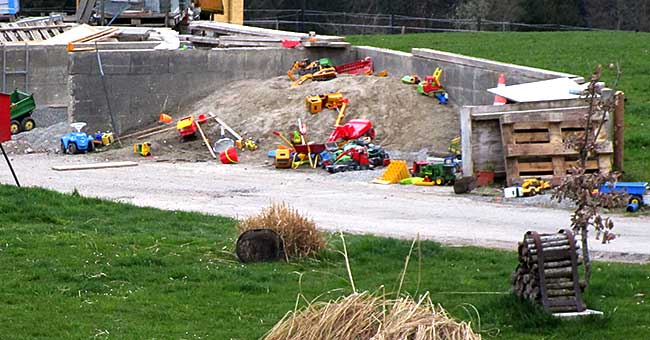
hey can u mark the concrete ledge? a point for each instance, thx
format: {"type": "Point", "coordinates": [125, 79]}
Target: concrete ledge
{"type": "Point", "coordinates": [487, 64]}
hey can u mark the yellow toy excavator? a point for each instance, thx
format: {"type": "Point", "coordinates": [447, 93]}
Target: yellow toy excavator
{"type": "Point", "coordinates": [324, 74]}
{"type": "Point", "coordinates": [332, 101]}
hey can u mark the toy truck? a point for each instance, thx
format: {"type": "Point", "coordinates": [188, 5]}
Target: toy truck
{"type": "Point", "coordinates": [22, 106]}
{"type": "Point", "coordinates": [186, 127]}
{"type": "Point", "coordinates": [534, 186]}
{"type": "Point", "coordinates": [639, 193]}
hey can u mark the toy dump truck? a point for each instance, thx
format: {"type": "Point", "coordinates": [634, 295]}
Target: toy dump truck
{"type": "Point", "coordinates": [534, 186]}
{"type": "Point", "coordinates": [22, 106]}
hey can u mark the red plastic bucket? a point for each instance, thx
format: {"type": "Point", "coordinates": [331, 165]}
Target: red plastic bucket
{"type": "Point", "coordinates": [229, 156]}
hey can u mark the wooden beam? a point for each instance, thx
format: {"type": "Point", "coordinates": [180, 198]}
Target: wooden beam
{"type": "Point", "coordinates": [92, 166]}
{"type": "Point", "coordinates": [466, 140]}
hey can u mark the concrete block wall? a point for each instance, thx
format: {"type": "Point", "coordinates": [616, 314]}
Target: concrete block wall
{"type": "Point", "coordinates": [466, 79]}
{"type": "Point", "coordinates": [142, 83]}
{"type": "Point", "coordinates": [47, 78]}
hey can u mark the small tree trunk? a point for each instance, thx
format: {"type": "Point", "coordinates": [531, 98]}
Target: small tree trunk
{"type": "Point", "coordinates": [585, 254]}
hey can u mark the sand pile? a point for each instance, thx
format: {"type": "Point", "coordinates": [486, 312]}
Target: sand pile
{"type": "Point", "coordinates": [403, 119]}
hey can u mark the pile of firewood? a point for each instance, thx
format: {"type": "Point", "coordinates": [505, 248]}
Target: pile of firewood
{"type": "Point", "coordinates": [552, 279]}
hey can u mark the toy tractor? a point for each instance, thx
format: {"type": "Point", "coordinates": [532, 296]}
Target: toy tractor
{"type": "Point", "coordinates": [432, 87]}
{"type": "Point", "coordinates": [75, 142]}
{"type": "Point", "coordinates": [22, 106]}
{"type": "Point", "coordinates": [440, 174]}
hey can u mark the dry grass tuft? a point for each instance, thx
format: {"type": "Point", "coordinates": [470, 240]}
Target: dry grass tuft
{"type": "Point", "coordinates": [367, 316]}
{"type": "Point", "coordinates": [298, 233]}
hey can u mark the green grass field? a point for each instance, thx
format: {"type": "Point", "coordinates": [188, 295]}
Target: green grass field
{"type": "Point", "coordinates": [571, 52]}
{"type": "Point", "coordinates": [77, 268]}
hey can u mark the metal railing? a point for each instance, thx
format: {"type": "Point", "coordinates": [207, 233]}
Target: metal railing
{"type": "Point", "coordinates": [344, 23]}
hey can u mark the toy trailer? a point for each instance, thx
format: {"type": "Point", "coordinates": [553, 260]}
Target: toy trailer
{"type": "Point", "coordinates": [639, 193]}
{"type": "Point", "coordinates": [363, 66]}
{"type": "Point", "coordinates": [22, 106]}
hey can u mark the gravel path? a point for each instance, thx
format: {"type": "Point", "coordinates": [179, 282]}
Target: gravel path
{"type": "Point", "coordinates": [336, 202]}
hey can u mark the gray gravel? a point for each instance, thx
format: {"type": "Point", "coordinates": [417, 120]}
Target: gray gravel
{"type": "Point", "coordinates": [40, 139]}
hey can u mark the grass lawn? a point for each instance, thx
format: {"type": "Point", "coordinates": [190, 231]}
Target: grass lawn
{"type": "Point", "coordinates": [571, 52]}
{"type": "Point", "coordinates": [80, 268]}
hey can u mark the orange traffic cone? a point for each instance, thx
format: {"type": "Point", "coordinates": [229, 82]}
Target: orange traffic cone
{"type": "Point", "coordinates": [498, 100]}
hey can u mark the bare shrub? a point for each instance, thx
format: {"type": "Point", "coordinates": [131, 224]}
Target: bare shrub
{"type": "Point", "coordinates": [367, 316]}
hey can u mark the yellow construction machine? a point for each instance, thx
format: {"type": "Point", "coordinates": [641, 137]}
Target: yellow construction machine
{"type": "Point", "coordinates": [320, 69]}
{"type": "Point", "coordinates": [332, 101]}
{"type": "Point", "coordinates": [324, 74]}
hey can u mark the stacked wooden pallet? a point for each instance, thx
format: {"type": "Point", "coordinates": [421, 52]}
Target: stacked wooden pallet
{"type": "Point", "coordinates": [547, 272]}
{"type": "Point", "coordinates": [33, 29]}
{"type": "Point", "coordinates": [230, 35]}
{"type": "Point", "coordinates": [534, 144]}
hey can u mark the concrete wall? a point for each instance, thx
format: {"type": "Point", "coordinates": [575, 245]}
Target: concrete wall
{"type": "Point", "coordinates": [466, 79]}
{"type": "Point", "coordinates": [47, 78]}
{"type": "Point", "coordinates": [142, 83]}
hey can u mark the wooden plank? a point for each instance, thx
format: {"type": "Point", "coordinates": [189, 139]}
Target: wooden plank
{"type": "Point", "coordinates": [227, 29]}
{"type": "Point", "coordinates": [92, 166]}
{"type": "Point", "coordinates": [530, 137]}
{"type": "Point", "coordinates": [559, 168]}
{"type": "Point", "coordinates": [548, 166]}
{"type": "Point", "coordinates": [205, 140]}
{"type": "Point", "coordinates": [547, 149]}
{"type": "Point", "coordinates": [249, 38]}
{"type": "Point", "coordinates": [225, 126]}
{"type": "Point", "coordinates": [466, 140]}
{"type": "Point", "coordinates": [18, 32]}
{"type": "Point", "coordinates": [535, 166]}
{"type": "Point", "coordinates": [605, 163]}
{"type": "Point", "coordinates": [248, 44]}
{"type": "Point", "coordinates": [555, 115]}
{"type": "Point", "coordinates": [204, 40]}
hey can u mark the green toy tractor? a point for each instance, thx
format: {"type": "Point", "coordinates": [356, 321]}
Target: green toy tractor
{"type": "Point", "coordinates": [441, 174]}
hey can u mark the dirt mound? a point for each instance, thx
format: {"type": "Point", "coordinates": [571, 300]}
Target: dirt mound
{"type": "Point", "coordinates": [403, 119]}
{"type": "Point", "coordinates": [41, 139]}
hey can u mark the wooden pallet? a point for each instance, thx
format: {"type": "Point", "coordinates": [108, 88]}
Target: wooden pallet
{"type": "Point", "coordinates": [36, 29]}
{"type": "Point", "coordinates": [534, 145]}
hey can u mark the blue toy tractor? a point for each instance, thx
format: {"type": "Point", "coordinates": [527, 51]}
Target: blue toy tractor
{"type": "Point", "coordinates": [75, 142]}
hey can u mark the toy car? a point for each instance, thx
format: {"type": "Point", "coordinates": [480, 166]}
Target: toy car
{"type": "Point", "coordinates": [412, 79]}
{"type": "Point", "coordinates": [75, 142]}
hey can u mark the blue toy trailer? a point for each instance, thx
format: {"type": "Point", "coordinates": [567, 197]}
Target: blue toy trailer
{"type": "Point", "coordinates": [639, 193]}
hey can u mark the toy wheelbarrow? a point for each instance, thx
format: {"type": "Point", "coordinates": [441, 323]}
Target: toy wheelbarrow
{"type": "Point", "coordinates": [311, 149]}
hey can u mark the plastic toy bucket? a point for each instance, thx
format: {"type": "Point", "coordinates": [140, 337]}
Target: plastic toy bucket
{"type": "Point", "coordinates": [201, 118]}
{"type": "Point", "coordinates": [165, 118]}
{"type": "Point", "coordinates": [229, 156]}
